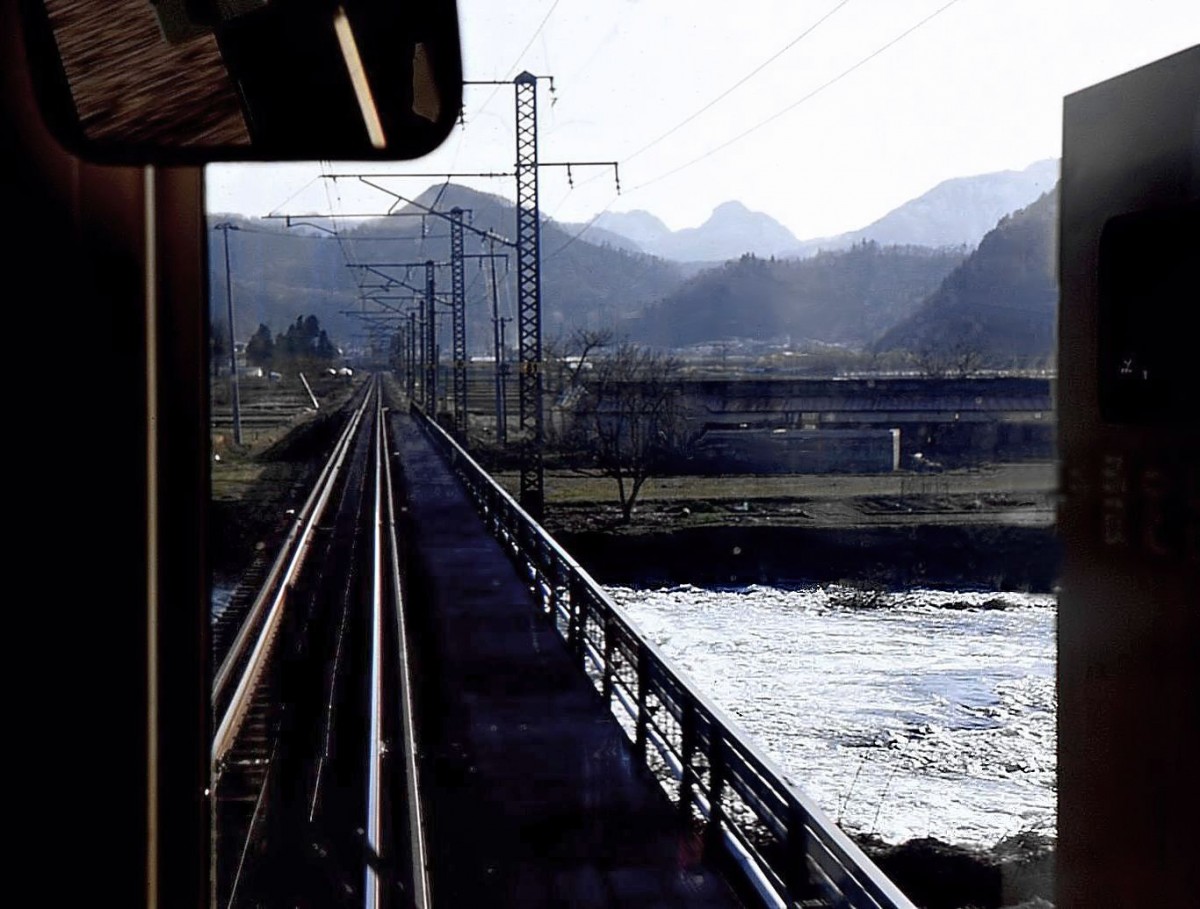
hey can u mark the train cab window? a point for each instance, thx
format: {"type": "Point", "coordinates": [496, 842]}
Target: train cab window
{"type": "Point", "coordinates": [796, 384]}
{"type": "Point", "coordinates": [628, 456]}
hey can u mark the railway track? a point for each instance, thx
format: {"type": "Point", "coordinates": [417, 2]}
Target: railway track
{"type": "Point", "coordinates": [313, 755]}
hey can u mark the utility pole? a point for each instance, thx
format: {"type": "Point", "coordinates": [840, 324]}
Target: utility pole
{"type": "Point", "coordinates": [504, 371]}
{"type": "Point", "coordinates": [234, 392]}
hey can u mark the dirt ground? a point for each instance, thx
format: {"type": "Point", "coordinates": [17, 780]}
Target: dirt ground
{"type": "Point", "coordinates": [254, 484]}
{"type": "Point", "coordinates": [1008, 494]}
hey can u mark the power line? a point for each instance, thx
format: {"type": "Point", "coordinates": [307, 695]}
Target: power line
{"type": "Point", "coordinates": [583, 229]}
{"type": "Point", "coordinates": [332, 234]}
{"type": "Point", "coordinates": [537, 31]}
{"type": "Point", "coordinates": [293, 195]}
{"type": "Point", "coordinates": [436, 199]}
{"type": "Point", "coordinates": [430, 210]}
{"type": "Point", "coordinates": [742, 81]}
{"type": "Point", "coordinates": [812, 94]}
{"type": "Point", "coordinates": [510, 71]}
{"type": "Point", "coordinates": [333, 218]}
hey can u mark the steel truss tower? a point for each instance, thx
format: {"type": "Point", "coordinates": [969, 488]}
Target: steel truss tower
{"type": "Point", "coordinates": [431, 357]}
{"type": "Point", "coordinates": [459, 319]}
{"type": "Point", "coordinates": [410, 374]}
{"type": "Point", "coordinates": [529, 310]}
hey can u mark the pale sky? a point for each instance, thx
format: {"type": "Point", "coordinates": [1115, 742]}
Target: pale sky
{"type": "Point", "coordinates": [977, 88]}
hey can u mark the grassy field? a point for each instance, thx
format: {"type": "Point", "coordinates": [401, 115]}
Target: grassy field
{"type": "Point", "coordinates": [247, 471]}
{"type": "Point", "coordinates": [1013, 494]}
{"type": "Point", "coordinates": [1035, 478]}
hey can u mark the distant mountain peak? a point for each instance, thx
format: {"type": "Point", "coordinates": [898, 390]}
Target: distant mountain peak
{"type": "Point", "coordinates": [961, 210]}
{"type": "Point", "coordinates": [638, 214]}
{"type": "Point", "coordinates": [956, 212]}
{"type": "Point", "coordinates": [731, 230]}
{"type": "Point", "coordinates": [732, 207]}
{"type": "Point", "coordinates": [640, 226]}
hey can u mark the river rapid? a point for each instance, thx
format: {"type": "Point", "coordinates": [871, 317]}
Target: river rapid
{"type": "Point", "coordinates": [931, 714]}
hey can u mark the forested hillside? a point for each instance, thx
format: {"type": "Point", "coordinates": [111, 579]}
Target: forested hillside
{"type": "Point", "coordinates": [1001, 303]}
{"type": "Point", "coordinates": [279, 272]}
{"type": "Point", "coordinates": [846, 297]}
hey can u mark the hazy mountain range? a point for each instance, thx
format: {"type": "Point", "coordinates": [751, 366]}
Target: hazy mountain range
{"type": "Point", "coordinates": [956, 212]}
{"type": "Point", "coordinates": [731, 230]}
{"type": "Point", "coordinates": [847, 297]}
{"type": "Point", "coordinates": [996, 305]}
{"type": "Point", "coordinates": [867, 293]}
{"type": "Point", "coordinates": [280, 273]}
{"type": "Point", "coordinates": [1001, 303]}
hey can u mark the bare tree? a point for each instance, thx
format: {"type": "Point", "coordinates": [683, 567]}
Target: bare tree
{"type": "Point", "coordinates": [567, 359]}
{"type": "Point", "coordinates": [930, 362]}
{"type": "Point", "coordinates": [957, 360]}
{"type": "Point", "coordinates": [965, 358]}
{"type": "Point", "coordinates": [634, 412]}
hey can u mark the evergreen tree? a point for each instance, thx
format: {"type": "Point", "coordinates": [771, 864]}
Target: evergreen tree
{"type": "Point", "coordinates": [218, 342]}
{"type": "Point", "coordinates": [260, 349]}
{"type": "Point", "coordinates": [325, 348]}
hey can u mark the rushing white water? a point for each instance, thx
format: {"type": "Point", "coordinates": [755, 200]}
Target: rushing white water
{"type": "Point", "coordinates": [221, 595]}
{"type": "Point", "coordinates": [932, 716]}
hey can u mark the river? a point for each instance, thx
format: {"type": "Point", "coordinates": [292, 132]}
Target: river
{"type": "Point", "coordinates": [933, 715]}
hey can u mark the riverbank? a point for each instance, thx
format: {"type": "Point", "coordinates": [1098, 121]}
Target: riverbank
{"type": "Point", "coordinates": [982, 528]}
{"type": "Point", "coordinates": [1017, 873]}
{"type": "Point", "coordinates": [967, 556]}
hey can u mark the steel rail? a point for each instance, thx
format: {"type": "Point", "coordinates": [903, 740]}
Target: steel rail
{"type": "Point", "coordinates": [374, 825]}
{"type": "Point", "coordinates": [739, 791]}
{"type": "Point", "coordinates": [300, 522]}
{"type": "Point", "coordinates": [418, 856]}
{"type": "Point", "coordinates": [293, 554]}
{"type": "Point", "coordinates": [255, 818]}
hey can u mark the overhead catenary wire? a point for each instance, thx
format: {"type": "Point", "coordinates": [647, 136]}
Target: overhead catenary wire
{"type": "Point", "coordinates": [736, 85]}
{"type": "Point", "coordinates": [511, 70]}
{"type": "Point", "coordinates": [333, 217]}
{"type": "Point", "coordinates": [424, 231]}
{"type": "Point", "coordinates": [486, 234]}
{"type": "Point", "coordinates": [714, 150]}
{"type": "Point", "coordinates": [728, 91]}
{"type": "Point", "coordinates": [332, 235]}
{"type": "Point", "coordinates": [586, 227]}
{"type": "Point", "coordinates": [716, 100]}
{"type": "Point", "coordinates": [347, 256]}
{"type": "Point", "coordinates": [725, 93]}
{"type": "Point", "coordinates": [792, 106]}
{"type": "Point", "coordinates": [294, 195]}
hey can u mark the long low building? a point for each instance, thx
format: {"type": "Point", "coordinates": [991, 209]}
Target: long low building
{"type": "Point", "coordinates": [951, 421]}
{"type": "Point", "coordinates": [720, 451]}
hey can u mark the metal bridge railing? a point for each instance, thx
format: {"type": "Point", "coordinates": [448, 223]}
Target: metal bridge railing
{"type": "Point", "coordinates": [734, 796]}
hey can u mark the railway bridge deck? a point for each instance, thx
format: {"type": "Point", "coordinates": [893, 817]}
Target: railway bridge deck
{"type": "Point", "coordinates": [429, 702]}
{"type": "Point", "coordinates": [532, 795]}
